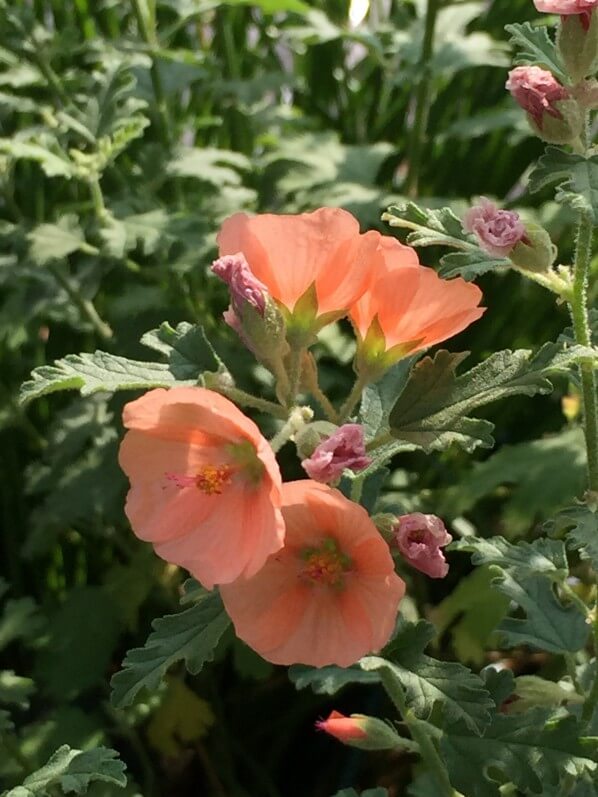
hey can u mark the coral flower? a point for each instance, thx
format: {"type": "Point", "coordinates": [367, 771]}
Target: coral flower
{"type": "Point", "coordinates": [314, 264]}
{"type": "Point", "coordinates": [330, 596]}
{"type": "Point", "coordinates": [205, 486]}
{"type": "Point", "coordinates": [408, 308]}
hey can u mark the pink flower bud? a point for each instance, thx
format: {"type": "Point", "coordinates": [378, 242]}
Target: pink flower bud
{"type": "Point", "coordinates": [565, 7]}
{"type": "Point", "coordinates": [359, 730]}
{"type": "Point", "coordinates": [419, 538]}
{"type": "Point", "coordinates": [343, 728]}
{"type": "Point", "coordinates": [498, 231]}
{"type": "Point", "coordinates": [343, 449]}
{"type": "Point", "coordinates": [244, 286]}
{"type": "Point", "coordinates": [536, 90]}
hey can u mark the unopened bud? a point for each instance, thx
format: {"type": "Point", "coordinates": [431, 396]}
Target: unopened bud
{"type": "Point", "coordinates": [552, 112]}
{"type": "Point", "coordinates": [419, 538]}
{"type": "Point", "coordinates": [497, 231]}
{"type": "Point", "coordinates": [358, 730]}
{"type": "Point", "coordinates": [577, 41]}
{"type": "Point", "coordinates": [343, 449]}
{"type": "Point", "coordinates": [536, 252]}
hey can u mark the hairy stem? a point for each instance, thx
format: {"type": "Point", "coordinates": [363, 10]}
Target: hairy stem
{"type": "Point", "coordinates": [581, 326]}
{"type": "Point", "coordinates": [426, 746]}
{"type": "Point", "coordinates": [86, 306]}
{"type": "Point", "coordinates": [352, 399]}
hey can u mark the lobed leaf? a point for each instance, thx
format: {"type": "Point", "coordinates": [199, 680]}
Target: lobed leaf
{"type": "Point", "coordinates": [548, 624]}
{"type": "Point", "coordinates": [430, 227]}
{"type": "Point", "coordinates": [529, 750]}
{"type": "Point", "coordinates": [575, 176]}
{"type": "Point", "coordinates": [73, 771]}
{"type": "Point", "coordinates": [581, 524]}
{"type": "Point", "coordinates": [97, 372]}
{"type": "Point", "coordinates": [542, 557]}
{"type": "Point", "coordinates": [460, 693]}
{"type": "Point", "coordinates": [190, 635]}
{"type": "Point", "coordinates": [431, 411]}
{"type": "Point", "coordinates": [535, 46]}
{"type": "Point", "coordinates": [331, 679]}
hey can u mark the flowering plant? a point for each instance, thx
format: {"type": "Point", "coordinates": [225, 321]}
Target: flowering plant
{"type": "Point", "coordinates": [278, 501]}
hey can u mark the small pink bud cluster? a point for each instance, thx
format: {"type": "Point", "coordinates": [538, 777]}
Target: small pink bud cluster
{"type": "Point", "coordinates": [244, 286]}
{"type": "Point", "coordinates": [536, 90]}
{"type": "Point", "coordinates": [498, 231]}
{"type": "Point", "coordinates": [419, 538]}
{"type": "Point", "coordinates": [343, 449]}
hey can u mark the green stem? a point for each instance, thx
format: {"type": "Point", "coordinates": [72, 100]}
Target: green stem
{"type": "Point", "coordinates": [426, 745]}
{"type": "Point", "coordinates": [422, 100]}
{"type": "Point", "coordinates": [581, 326]}
{"type": "Point", "coordinates": [248, 400]}
{"type": "Point", "coordinates": [310, 378]}
{"type": "Point", "coordinates": [357, 489]}
{"type": "Point", "coordinates": [592, 699]}
{"type": "Point", "coordinates": [297, 419]}
{"type": "Point", "coordinates": [97, 198]}
{"type": "Point", "coordinates": [352, 399]}
{"type": "Point", "coordinates": [86, 306]}
{"type": "Point", "coordinates": [295, 369]}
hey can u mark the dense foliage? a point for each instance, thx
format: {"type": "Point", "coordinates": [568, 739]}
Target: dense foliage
{"type": "Point", "coordinates": [129, 132]}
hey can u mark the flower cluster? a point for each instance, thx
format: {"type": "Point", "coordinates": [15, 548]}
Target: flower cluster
{"type": "Point", "coordinates": [303, 572]}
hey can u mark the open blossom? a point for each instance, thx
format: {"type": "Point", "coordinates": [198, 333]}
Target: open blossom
{"type": "Point", "coordinates": [243, 285]}
{"type": "Point", "coordinates": [419, 538]}
{"type": "Point", "coordinates": [330, 596]}
{"type": "Point", "coordinates": [498, 231]}
{"type": "Point", "coordinates": [205, 485]}
{"type": "Point", "coordinates": [291, 255]}
{"type": "Point", "coordinates": [536, 90]}
{"type": "Point", "coordinates": [408, 307]}
{"type": "Point", "coordinates": [343, 449]}
{"type": "Point", "coordinates": [565, 7]}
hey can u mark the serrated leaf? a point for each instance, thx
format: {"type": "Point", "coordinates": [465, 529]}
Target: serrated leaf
{"type": "Point", "coordinates": [54, 241]}
{"type": "Point", "coordinates": [331, 679]}
{"type": "Point", "coordinates": [19, 620]}
{"type": "Point", "coordinates": [427, 681]}
{"type": "Point", "coordinates": [190, 635]}
{"type": "Point", "coordinates": [542, 557]}
{"type": "Point", "coordinates": [97, 372]}
{"type": "Point", "coordinates": [378, 398]}
{"type": "Point", "coordinates": [576, 178]}
{"type": "Point", "coordinates": [186, 348]}
{"type": "Point", "coordinates": [527, 749]}
{"type": "Point", "coordinates": [73, 771]}
{"type": "Point", "coordinates": [430, 227]}
{"type": "Point", "coordinates": [548, 624]}
{"type": "Point", "coordinates": [53, 164]}
{"type": "Point", "coordinates": [470, 265]}
{"type": "Point", "coordinates": [535, 46]}
{"type": "Point", "coordinates": [431, 411]}
{"type": "Point", "coordinates": [14, 689]}
{"type": "Point", "coordinates": [581, 524]}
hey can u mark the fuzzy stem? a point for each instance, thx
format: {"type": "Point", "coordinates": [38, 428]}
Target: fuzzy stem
{"type": "Point", "coordinates": [352, 399]}
{"type": "Point", "coordinates": [248, 400]}
{"type": "Point", "coordinates": [581, 326]}
{"type": "Point", "coordinates": [297, 419]}
{"type": "Point", "coordinates": [426, 746]}
{"type": "Point", "coordinates": [86, 306]}
{"type": "Point", "coordinates": [422, 100]}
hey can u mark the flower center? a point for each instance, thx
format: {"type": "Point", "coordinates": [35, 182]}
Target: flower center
{"type": "Point", "coordinates": [210, 479]}
{"type": "Point", "coordinates": [326, 564]}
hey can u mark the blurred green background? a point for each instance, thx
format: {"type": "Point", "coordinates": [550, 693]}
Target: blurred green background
{"type": "Point", "coordinates": [129, 129]}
